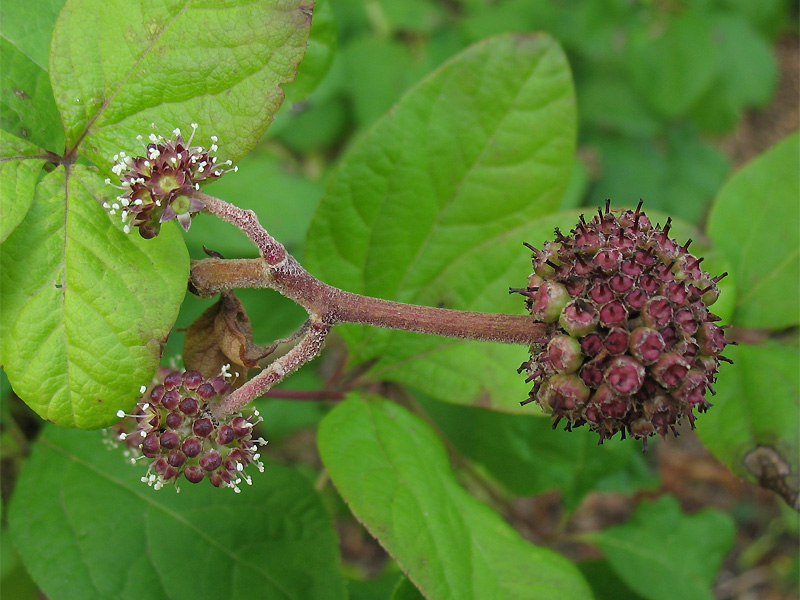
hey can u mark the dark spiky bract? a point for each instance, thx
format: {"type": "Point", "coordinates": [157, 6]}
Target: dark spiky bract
{"type": "Point", "coordinates": [632, 346]}
{"type": "Point", "coordinates": [176, 430]}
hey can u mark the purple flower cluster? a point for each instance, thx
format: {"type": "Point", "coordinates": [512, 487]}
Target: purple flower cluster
{"type": "Point", "coordinates": [158, 186]}
{"type": "Point", "coordinates": [633, 347]}
{"type": "Point", "coordinates": [176, 430]}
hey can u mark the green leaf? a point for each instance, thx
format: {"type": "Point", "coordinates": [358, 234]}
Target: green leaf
{"type": "Point", "coordinates": [173, 62]}
{"type": "Point", "coordinates": [606, 584]}
{"type": "Point", "coordinates": [85, 308]}
{"type": "Point", "coordinates": [29, 27]}
{"type": "Point", "coordinates": [433, 204]}
{"type": "Point", "coordinates": [608, 102]}
{"type": "Point", "coordinates": [747, 74]}
{"type": "Point", "coordinates": [87, 528]}
{"type": "Point", "coordinates": [664, 554]}
{"type": "Point", "coordinates": [672, 65]}
{"type": "Point", "coordinates": [754, 222]}
{"type": "Point", "coordinates": [27, 107]}
{"type": "Point", "coordinates": [319, 54]}
{"type": "Point", "coordinates": [406, 590]}
{"type": "Point", "coordinates": [679, 177]}
{"type": "Point", "coordinates": [20, 165]}
{"type": "Point", "coordinates": [528, 457]}
{"type": "Point", "coordinates": [393, 472]}
{"type": "Point", "coordinates": [756, 405]}
{"type": "Point", "coordinates": [378, 70]}
{"type": "Point", "coordinates": [748, 70]}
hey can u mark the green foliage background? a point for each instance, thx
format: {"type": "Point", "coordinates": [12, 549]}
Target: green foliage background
{"type": "Point", "coordinates": [421, 142]}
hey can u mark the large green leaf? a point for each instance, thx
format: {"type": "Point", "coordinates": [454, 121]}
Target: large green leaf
{"type": "Point", "coordinates": [756, 405]}
{"type": "Point", "coordinates": [671, 64]}
{"type": "Point", "coordinates": [754, 222]}
{"type": "Point", "coordinates": [29, 26]}
{"type": "Point", "coordinates": [319, 54]}
{"type": "Point", "coordinates": [85, 308]}
{"type": "Point", "coordinates": [528, 457]}
{"type": "Point", "coordinates": [27, 107]}
{"type": "Point", "coordinates": [219, 63]}
{"type": "Point", "coordinates": [393, 472]}
{"type": "Point", "coordinates": [87, 528]}
{"type": "Point", "coordinates": [20, 165]}
{"type": "Point", "coordinates": [664, 554]}
{"type": "Point", "coordinates": [433, 204]}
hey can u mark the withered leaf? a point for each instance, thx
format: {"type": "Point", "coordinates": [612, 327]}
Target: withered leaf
{"type": "Point", "coordinates": [223, 335]}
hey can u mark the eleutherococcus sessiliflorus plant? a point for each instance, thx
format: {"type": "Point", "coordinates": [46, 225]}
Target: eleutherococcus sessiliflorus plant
{"type": "Point", "coordinates": [620, 332]}
{"type": "Point", "coordinates": [415, 433]}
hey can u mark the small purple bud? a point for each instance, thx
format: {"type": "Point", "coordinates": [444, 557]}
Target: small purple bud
{"type": "Point", "coordinates": [657, 312]}
{"type": "Point", "coordinates": [225, 435]}
{"type": "Point", "coordinates": [564, 392]}
{"type": "Point", "coordinates": [189, 406]}
{"type": "Point", "coordinates": [635, 300]}
{"type": "Point", "coordinates": [616, 341]}
{"type": "Point", "coordinates": [578, 318]}
{"type": "Point", "coordinates": [646, 344]}
{"type": "Point", "coordinates": [692, 390]}
{"type": "Point", "coordinates": [670, 370]}
{"type": "Point", "coordinates": [591, 344]}
{"type": "Point", "coordinates": [151, 447]}
{"type": "Point", "coordinates": [601, 294]}
{"type": "Point", "coordinates": [592, 374]}
{"type": "Point", "coordinates": [685, 320]}
{"type": "Point", "coordinates": [613, 313]}
{"type": "Point", "coordinates": [203, 427]}
{"type": "Point", "coordinates": [608, 260]}
{"type": "Point", "coordinates": [173, 380]}
{"type": "Point", "coordinates": [191, 379]}
{"type": "Point", "coordinates": [564, 354]}
{"type": "Point", "coordinates": [241, 427]}
{"type": "Point", "coordinates": [171, 399]}
{"type": "Point", "coordinates": [194, 474]}
{"type": "Point", "coordinates": [620, 284]}
{"type": "Point", "coordinates": [220, 385]}
{"type": "Point", "coordinates": [210, 460]}
{"type": "Point", "coordinates": [192, 447]}
{"type": "Point", "coordinates": [625, 375]}
{"type": "Point", "coordinates": [174, 420]}
{"type": "Point", "coordinates": [548, 302]}
{"type": "Point", "coordinates": [157, 394]}
{"type": "Point", "coordinates": [711, 339]}
{"type": "Point", "coordinates": [170, 439]}
{"type": "Point", "coordinates": [176, 458]}
{"type": "Point", "coordinates": [648, 283]}
{"type": "Point", "coordinates": [206, 391]}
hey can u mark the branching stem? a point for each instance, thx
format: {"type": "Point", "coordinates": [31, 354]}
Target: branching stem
{"type": "Point", "coordinates": [328, 306]}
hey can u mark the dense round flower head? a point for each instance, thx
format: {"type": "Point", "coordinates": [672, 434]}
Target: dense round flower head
{"type": "Point", "coordinates": [158, 186]}
{"type": "Point", "coordinates": [631, 346]}
{"type": "Point", "coordinates": [177, 432]}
